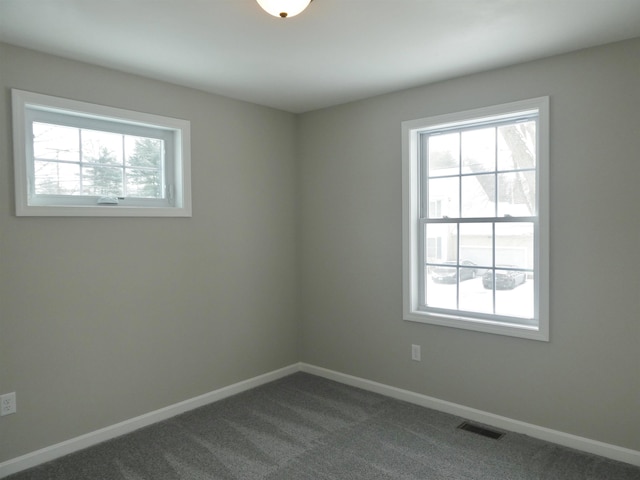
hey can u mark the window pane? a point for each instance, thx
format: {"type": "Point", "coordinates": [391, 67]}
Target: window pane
{"type": "Point", "coordinates": [435, 208]}
{"type": "Point", "coordinates": [476, 244]}
{"type": "Point", "coordinates": [478, 196]}
{"type": "Point", "coordinates": [447, 273]}
{"type": "Point", "coordinates": [444, 197]}
{"type": "Point", "coordinates": [55, 178]}
{"type": "Point", "coordinates": [143, 152]}
{"type": "Point", "coordinates": [444, 154]}
{"type": "Point", "coordinates": [517, 194]}
{"type": "Point", "coordinates": [440, 280]}
{"type": "Point", "coordinates": [433, 249]}
{"type": "Point", "coordinates": [445, 236]}
{"type": "Point", "coordinates": [105, 181]}
{"type": "Point", "coordinates": [514, 294]}
{"type": "Point", "coordinates": [514, 244]}
{"type": "Point", "coordinates": [55, 142]}
{"type": "Point", "coordinates": [101, 147]}
{"type": "Point", "coordinates": [144, 183]}
{"type": "Point", "coordinates": [146, 155]}
{"type": "Point", "coordinates": [517, 146]}
{"type": "Point", "coordinates": [473, 296]}
{"type": "Point", "coordinates": [439, 292]}
{"type": "Point", "coordinates": [440, 295]}
{"type": "Point", "coordinates": [476, 255]}
{"type": "Point", "coordinates": [479, 150]}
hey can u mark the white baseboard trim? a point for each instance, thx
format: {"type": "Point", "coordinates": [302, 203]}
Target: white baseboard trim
{"type": "Point", "coordinates": [565, 439]}
{"type": "Point", "coordinates": [78, 443]}
{"type": "Point", "coordinates": [84, 441]}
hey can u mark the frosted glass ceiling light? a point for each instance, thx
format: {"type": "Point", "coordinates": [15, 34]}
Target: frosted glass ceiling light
{"type": "Point", "coordinates": [284, 8]}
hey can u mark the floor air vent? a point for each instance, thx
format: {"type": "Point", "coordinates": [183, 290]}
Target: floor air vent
{"type": "Point", "coordinates": [477, 429]}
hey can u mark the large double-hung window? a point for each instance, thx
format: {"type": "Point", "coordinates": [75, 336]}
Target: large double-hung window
{"type": "Point", "coordinates": [79, 159]}
{"type": "Point", "coordinates": [475, 188]}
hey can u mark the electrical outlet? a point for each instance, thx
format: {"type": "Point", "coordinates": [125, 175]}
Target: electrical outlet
{"type": "Point", "coordinates": [415, 352]}
{"type": "Point", "coordinates": [7, 403]}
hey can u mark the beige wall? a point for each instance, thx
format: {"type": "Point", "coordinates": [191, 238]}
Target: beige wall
{"type": "Point", "coordinates": [586, 380]}
{"type": "Point", "coordinates": [104, 319]}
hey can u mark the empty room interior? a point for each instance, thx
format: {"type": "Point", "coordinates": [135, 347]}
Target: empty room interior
{"type": "Point", "coordinates": [294, 248]}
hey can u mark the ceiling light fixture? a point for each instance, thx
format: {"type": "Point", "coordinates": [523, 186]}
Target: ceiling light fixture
{"type": "Point", "coordinates": [284, 8]}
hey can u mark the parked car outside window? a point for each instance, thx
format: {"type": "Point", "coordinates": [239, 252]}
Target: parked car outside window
{"type": "Point", "coordinates": [505, 279]}
{"type": "Point", "coordinates": [445, 274]}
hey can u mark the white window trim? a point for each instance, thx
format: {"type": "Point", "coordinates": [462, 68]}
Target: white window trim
{"type": "Point", "coordinates": [410, 222]}
{"type": "Point", "coordinates": [179, 129]}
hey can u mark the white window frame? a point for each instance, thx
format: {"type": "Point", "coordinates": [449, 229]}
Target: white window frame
{"type": "Point", "coordinates": [29, 107]}
{"type": "Point", "coordinates": [411, 192]}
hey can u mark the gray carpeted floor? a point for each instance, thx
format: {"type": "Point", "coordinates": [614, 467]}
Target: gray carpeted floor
{"type": "Point", "coordinates": [305, 427]}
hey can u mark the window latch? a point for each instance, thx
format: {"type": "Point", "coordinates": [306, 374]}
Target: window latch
{"type": "Point", "coordinates": [108, 201]}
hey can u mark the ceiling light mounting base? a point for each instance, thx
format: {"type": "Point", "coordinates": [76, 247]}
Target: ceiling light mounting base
{"type": "Point", "coordinates": [284, 8]}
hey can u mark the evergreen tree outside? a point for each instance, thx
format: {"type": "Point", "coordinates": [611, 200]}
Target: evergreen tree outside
{"type": "Point", "coordinates": [144, 168]}
{"type": "Point", "coordinates": [103, 176]}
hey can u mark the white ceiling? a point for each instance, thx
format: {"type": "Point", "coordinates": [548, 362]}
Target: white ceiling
{"type": "Point", "coordinates": [334, 52]}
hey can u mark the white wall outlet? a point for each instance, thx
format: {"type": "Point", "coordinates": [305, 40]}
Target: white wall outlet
{"type": "Point", "coordinates": [7, 403]}
{"type": "Point", "coordinates": [415, 352]}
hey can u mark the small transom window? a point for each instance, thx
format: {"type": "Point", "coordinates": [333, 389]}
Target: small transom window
{"type": "Point", "coordinates": [79, 159]}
